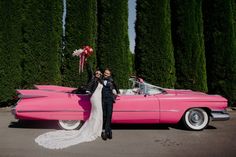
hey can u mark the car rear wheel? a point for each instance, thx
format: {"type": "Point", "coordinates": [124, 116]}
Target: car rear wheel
{"type": "Point", "coordinates": [196, 119]}
{"type": "Point", "coordinates": [70, 124]}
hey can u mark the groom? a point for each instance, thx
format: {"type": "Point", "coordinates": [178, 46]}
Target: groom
{"type": "Point", "coordinates": [109, 92]}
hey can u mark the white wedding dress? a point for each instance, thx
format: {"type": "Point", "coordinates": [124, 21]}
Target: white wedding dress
{"type": "Point", "coordinates": [91, 129]}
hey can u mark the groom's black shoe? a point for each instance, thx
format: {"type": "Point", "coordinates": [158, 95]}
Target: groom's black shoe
{"type": "Point", "coordinates": [109, 135]}
{"type": "Point", "coordinates": [104, 136]}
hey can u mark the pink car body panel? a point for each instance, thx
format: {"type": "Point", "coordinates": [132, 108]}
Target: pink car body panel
{"type": "Point", "coordinates": [49, 102]}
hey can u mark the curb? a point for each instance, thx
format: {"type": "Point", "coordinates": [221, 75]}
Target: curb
{"type": "Point", "coordinates": [231, 109]}
{"type": "Point", "coordinates": [6, 109]}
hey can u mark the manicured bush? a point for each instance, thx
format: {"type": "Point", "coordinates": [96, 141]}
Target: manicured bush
{"type": "Point", "coordinates": [113, 43]}
{"type": "Point", "coordinates": [220, 41]}
{"type": "Point", "coordinates": [10, 48]}
{"type": "Point", "coordinates": [154, 57]}
{"type": "Point", "coordinates": [41, 47]}
{"type": "Point", "coordinates": [188, 40]}
{"type": "Point", "coordinates": [81, 30]}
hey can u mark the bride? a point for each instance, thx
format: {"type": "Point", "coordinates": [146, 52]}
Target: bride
{"type": "Point", "coordinates": [91, 129]}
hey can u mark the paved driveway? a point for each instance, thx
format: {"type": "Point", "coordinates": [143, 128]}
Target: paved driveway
{"type": "Point", "coordinates": [218, 140]}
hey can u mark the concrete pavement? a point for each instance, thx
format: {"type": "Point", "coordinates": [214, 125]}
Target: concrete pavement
{"type": "Point", "coordinates": [219, 139]}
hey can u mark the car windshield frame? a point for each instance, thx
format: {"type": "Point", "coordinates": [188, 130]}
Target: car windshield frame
{"type": "Point", "coordinates": [146, 88]}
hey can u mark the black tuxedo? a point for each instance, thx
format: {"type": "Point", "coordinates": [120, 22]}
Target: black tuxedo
{"type": "Point", "coordinates": [108, 99]}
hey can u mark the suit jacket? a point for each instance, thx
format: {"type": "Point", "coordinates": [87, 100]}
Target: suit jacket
{"type": "Point", "coordinates": [107, 91]}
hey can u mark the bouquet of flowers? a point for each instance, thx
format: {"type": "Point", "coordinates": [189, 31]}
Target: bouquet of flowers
{"type": "Point", "coordinates": [83, 54]}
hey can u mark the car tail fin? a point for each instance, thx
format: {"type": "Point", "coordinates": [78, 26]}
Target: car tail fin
{"type": "Point", "coordinates": [54, 88]}
{"type": "Point", "coordinates": [31, 94]}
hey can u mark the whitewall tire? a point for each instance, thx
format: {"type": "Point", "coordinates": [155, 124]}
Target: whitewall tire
{"type": "Point", "coordinates": [196, 119]}
{"type": "Point", "coordinates": [70, 124]}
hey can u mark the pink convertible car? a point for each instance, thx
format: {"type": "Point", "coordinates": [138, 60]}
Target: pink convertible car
{"type": "Point", "coordinates": [142, 103]}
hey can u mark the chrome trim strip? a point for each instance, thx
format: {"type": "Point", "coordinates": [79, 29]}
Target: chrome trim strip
{"type": "Point", "coordinates": [20, 111]}
{"type": "Point", "coordinates": [136, 111]}
{"type": "Point", "coordinates": [169, 110]}
{"type": "Point", "coordinates": [146, 111]}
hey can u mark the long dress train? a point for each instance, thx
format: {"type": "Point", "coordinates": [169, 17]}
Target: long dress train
{"type": "Point", "coordinates": [91, 129]}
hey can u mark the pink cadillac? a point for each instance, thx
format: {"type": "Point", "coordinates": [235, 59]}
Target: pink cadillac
{"type": "Point", "coordinates": [142, 103]}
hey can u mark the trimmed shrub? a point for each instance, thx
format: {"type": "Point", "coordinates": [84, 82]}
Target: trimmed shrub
{"type": "Point", "coordinates": [10, 48]}
{"type": "Point", "coordinates": [113, 42]}
{"type": "Point", "coordinates": [188, 40]}
{"type": "Point", "coordinates": [154, 57]}
{"type": "Point", "coordinates": [81, 28]}
{"type": "Point", "coordinates": [220, 41]}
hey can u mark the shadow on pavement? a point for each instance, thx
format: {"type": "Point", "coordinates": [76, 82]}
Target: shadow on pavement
{"type": "Point", "coordinates": [210, 127]}
{"type": "Point", "coordinates": [140, 127]}
{"type": "Point", "coordinates": [36, 124]}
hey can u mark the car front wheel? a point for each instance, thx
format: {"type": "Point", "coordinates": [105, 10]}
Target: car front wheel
{"type": "Point", "coordinates": [196, 119]}
{"type": "Point", "coordinates": [70, 124]}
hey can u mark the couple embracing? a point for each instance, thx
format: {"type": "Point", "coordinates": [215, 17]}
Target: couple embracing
{"type": "Point", "coordinates": [104, 90]}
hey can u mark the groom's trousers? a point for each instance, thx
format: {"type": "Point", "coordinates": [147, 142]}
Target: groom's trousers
{"type": "Point", "coordinates": [107, 107]}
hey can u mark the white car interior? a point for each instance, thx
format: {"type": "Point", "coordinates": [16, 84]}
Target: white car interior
{"type": "Point", "coordinates": [138, 88]}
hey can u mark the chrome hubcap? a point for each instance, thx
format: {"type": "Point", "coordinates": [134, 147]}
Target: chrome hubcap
{"type": "Point", "coordinates": [196, 118]}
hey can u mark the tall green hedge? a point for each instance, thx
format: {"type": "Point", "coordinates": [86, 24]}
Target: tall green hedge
{"type": "Point", "coordinates": [154, 57]}
{"type": "Point", "coordinates": [81, 28]}
{"type": "Point", "coordinates": [10, 48]}
{"type": "Point", "coordinates": [220, 39]}
{"type": "Point", "coordinates": [41, 42]}
{"type": "Point", "coordinates": [232, 95]}
{"type": "Point", "coordinates": [113, 43]}
{"type": "Point", "coordinates": [188, 40]}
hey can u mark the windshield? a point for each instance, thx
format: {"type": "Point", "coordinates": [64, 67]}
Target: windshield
{"type": "Point", "coordinates": [144, 87]}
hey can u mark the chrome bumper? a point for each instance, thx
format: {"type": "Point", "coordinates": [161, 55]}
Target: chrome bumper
{"type": "Point", "coordinates": [219, 115]}
{"type": "Point", "coordinates": [13, 111]}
